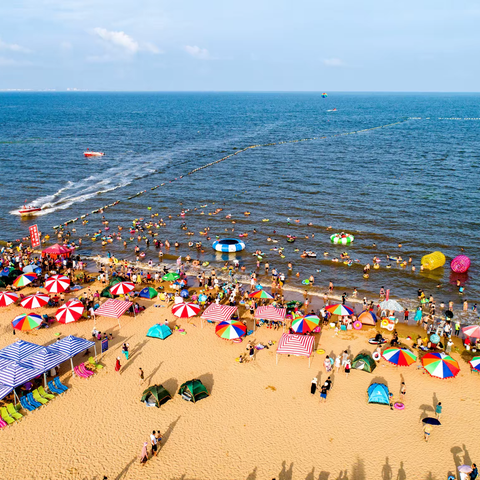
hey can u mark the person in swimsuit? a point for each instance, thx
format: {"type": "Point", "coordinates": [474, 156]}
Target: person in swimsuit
{"type": "Point", "coordinates": [323, 393]}
{"type": "Point", "coordinates": [403, 391]}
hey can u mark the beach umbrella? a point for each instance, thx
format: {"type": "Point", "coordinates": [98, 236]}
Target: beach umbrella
{"type": "Point", "coordinates": [148, 292]}
{"type": "Point", "coordinates": [24, 279]}
{"type": "Point", "coordinates": [57, 283]}
{"type": "Point", "coordinates": [202, 298]}
{"type": "Point", "coordinates": [260, 294]}
{"type": "Point", "coordinates": [70, 311]}
{"type": "Point", "coordinates": [391, 305]}
{"type": "Point", "coordinates": [448, 313]}
{"type": "Point", "coordinates": [121, 288]}
{"type": "Point", "coordinates": [475, 363]}
{"type": "Point", "coordinates": [339, 309]}
{"type": "Point", "coordinates": [6, 271]}
{"type": "Point", "coordinates": [35, 300]}
{"type": "Point", "coordinates": [431, 421]}
{"type": "Point", "coordinates": [399, 356]}
{"type": "Point", "coordinates": [27, 321]}
{"type": "Point", "coordinates": [434, 338]}
{"type": "Point", "coordinates": [472, 331]}
{"type": "Point", "coordinates": [440, 365]}
{"type": "Point", "coordinates": [184, 293]}
{"type": "Point", "coordinates": [465, 469]}
{"type": "Point", "coordinates": [186, 310]}
{"type": "Point", "coordinates": [7, 298]}
{"type": "Point", "coordinates": [231, 329]}
{"type": "Point", "coordinates": [32, 269]}
{"type": "Point", "coordinates": [170, 277]}
{"type": "Point", "coordinates": [305, 324]}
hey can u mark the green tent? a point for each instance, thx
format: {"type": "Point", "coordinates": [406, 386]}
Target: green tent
{"type": "Point", "coordinates": [155, 395]}
{"type": "Point", "coordinates": [159, 331]}
{"type": "Point", "coordinates": [106, 293]}
{"type": "Point", "coordinates": [193, 390]}
{"type": "Point", "coordinates": [365, 362]}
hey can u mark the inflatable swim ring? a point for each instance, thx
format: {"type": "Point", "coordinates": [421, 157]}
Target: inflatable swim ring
{"type": "Point", "coordinates": [366, 275]}
{"type": "Point", "coordinates": [320, 351]}
{"type": "Point", "coordinates": [228, 245]}
{"type": "Point", "coordinates": [384, 323]}
{"type": "Point", "coordinates": [306, 282]}
{"type": "Point", "coordinates": [376, 356]}
{"type": "Point", "coordinates": [357, 324]}
{"type": "Point", "coordinates": [376, 266]}
{"type": "Point", "coordinates": [390, 327]}
{"type": "Point", "coordinates": [205, 264]}
{"type": "Point", "coordinates": [265, 220]}
{"type": "Point", "coordinates": [342, 238]}
{"type": "Point", "coordinates": [399, 405]}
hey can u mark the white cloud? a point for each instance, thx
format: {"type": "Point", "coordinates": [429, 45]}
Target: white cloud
{"type": "Point", "coordinates": [150, 47]}
{"type": "Point", "coordinates": [117, 39]}
{"type": "Point", "coordinates": [13, 47]}
{"type": "Point", "coordinates": [197, 52]}
{"type": "Point", "coordinates": [334, 62]}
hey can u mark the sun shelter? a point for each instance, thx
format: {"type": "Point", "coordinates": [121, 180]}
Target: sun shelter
{"type": "Point", "coordinates": [193, 390]}
{"type": "Point", "coordinates": [57, 250]}
{"type": "Point", "coordinates": [19, 350]}
{"type": "Point", "coordinates": [159, 331]}
{"type": "Point", "coordinates": [44, 359]}
{"type": "Point", "coordinates": [298, 345]}
{"type": "Point", "coordinates": [268, 312]}
{"type": "Point", "coordinates": [13, 374]}
{"type": "Point", "coordinates": [218, 313]}
{"type": "Point", "coordinates": [378, 393]}
{"type": "Point", "coordinates": [367, 317]}
{"type": "Point", "coordinates": [71, 346]}
{"type": "Point", "coordinates": [113, 308]}
{"type": "Point", "coordinates": [5, 390]}
{"type": "Point", "coordinates": [155, 396]}
{"type": "Point", "coordinates": [364, 362]}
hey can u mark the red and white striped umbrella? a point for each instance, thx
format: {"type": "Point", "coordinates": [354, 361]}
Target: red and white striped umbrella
{"type": "Point", "coordinates": [122, 288]}
{"type": "Point", "coordinates": [186, 310]}
{"type": "Point", "coordinates": [70, 312]}
{"type": "Point", "coordinates": [7, 298]}
{"type": "Point", "coordinates": [36, 300]}
{"type": "Point", "coordinates": [57, 283]}
{"type": "Point", "coordinates": [471, 331]}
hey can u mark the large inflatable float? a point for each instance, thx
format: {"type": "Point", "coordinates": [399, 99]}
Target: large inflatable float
{"type": "Point", "coordinates": [228, 245]}
{"type": "Point", "coordinates": [342, 238]}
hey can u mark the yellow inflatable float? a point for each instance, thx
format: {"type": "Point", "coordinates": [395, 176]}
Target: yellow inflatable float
{"type": "Point", "coordinates": [433, 260]}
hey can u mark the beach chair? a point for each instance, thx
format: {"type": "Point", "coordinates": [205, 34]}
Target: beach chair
{"type": "Point", "coordinates": [24, 403]}
{"type": "Point", "coordinates": [33, 402]}
{"type": "Point", "coordinates": [3, 423]}
{"type": "Point", "coordinates": [59, 384]}
{"type": "Point", "coordinates": [54, 389]}
{"type": "Point", "coordinates": [5, 416]}
{"type": "Point", "coordinates": [44, 394]}
{"type": "Point", "coordinates": [39, 398]}
{"type": "Point", "coordinates": [86, 373]}
{"type": "Point", "coordinates": [91, 361]}
{"type": "Point", "coordinates": [13, 413]}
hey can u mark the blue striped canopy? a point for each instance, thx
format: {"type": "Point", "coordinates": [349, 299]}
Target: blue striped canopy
{"type": "Point", "coordinates": [19, 350]}
{"type": "Point", "coordinates": [4, 390]}
{"type": "Point", "coordinates": [71, 345]}
{"type": "Point", "coordinates": [13, 374]}
{"type": "Point", "coordinates": [44, 359]}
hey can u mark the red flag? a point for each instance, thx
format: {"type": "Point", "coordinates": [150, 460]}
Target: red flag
{"type": "Point", "coordinates": [387, 295]}
{"type": "Point", "coordinates": [34, 236]}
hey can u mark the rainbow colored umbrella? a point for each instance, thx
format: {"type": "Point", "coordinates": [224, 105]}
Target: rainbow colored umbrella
{"type": "Point", "coordinates": [24, 279]}
{"type": "Point", "coordinates": [339, 309]}
{"type": "Point", "coordinates": [260, 294]}
{"type": "Point", "coordinates": [27, 321]}
{"type": "Point", "coordinates": [170, 277]}
{"type": "Point", "coordinates": [305, 324]}
{"type": "Point", "coordinates": [440, 365]}
{"type": "Point", "coordinates": [475, 363]}
{"type": "Point", "coordinates": [7, 298]}
{"type": "Point", "coordinates": [231, 329]}
{"type": "Point", "coordinates": [399, 356]}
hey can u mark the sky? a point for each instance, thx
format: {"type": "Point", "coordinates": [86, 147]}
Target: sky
{"type": "Point", "coordinates": [249, 45]}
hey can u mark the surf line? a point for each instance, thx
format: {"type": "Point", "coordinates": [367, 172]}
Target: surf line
{"type": "Point", "coordinates": [192, 172]}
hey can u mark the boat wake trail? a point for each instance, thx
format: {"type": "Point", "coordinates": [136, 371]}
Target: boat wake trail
{"type": "Point", "coordinates": [105, 181]}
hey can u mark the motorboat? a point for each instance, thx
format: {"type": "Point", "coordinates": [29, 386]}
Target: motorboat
{"type": "Point", "coordinates": [88, 153]}
{"type": "Point", "coordinates": [28, 210]}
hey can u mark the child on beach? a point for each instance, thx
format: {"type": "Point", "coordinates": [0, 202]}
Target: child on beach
{"type": "Point", "coordinates": [347, 368]}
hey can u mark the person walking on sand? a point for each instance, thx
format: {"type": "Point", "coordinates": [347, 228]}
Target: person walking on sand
{"type": "Point", "coordinates": [427, 430]}
{"type": "Point", "coordinates": [141, 376]}
{"type": "Point", "coordinates": [474, 472]}
{"type": "Point", "coordinates": [323, 394]}
{"type": "Point", "coordinates": [438, 410]}
{"type": "Point", "coordinates": [347, 368]}
{"type": "Point", "coordinates": [337, 363]}
{"type": "Point", "coordinates": [117, 365]}
{"type": "Point", "coordinates": [144, 454]}
{"type": "Point", "coordinates": [403, 392]}
{"type": "Point", "coordinates": [313, 387]}
{"type": "Point", "coordinates": [153, 441]}
{"type": "Point", "coordinates": [159, 439]}
{"type": "Point", "coordinates": [125, 348]}
{"type": "Point", "coordinates": [344, 358]}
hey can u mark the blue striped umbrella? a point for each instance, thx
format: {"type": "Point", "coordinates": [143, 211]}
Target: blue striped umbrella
{"type": "Point", "coordinates": [4, 390]}
{"type": "Point", "coordinates": [19, 350]}
{"type": "Point", "coordinates": [14, 374]}
{"type": "Point", "coordinates": [71, 345]}
{"type": "Point", "coordinates": [44, 359]}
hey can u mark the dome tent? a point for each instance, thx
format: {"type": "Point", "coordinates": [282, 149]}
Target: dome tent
{"type": "Point", "coordinates": [365, 362]}
{"type": "Point", "coordinates": [193, 390]}
{"type": "Point", "coordinates": [155, 396]}
{"type": "Point", "coordinates": [378, 393]}
{"type": "Point", "coordinates": [159, 331]}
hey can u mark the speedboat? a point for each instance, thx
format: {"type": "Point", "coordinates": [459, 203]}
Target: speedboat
{"type": "Point", "coordinates": [28, 210]}
{"type": "Point", "coordinates": [88, 153]}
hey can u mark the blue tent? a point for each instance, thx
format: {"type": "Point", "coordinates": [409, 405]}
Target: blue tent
{"type": "Point", "coordinates": [12, 374]}
{"type": "Point", "coordinates": [19, 350]}
{"type": "Point", "coordinates": [378, 393]}
{"type": "Point", "coordinates": [71, 346]}
{"type": "Point", "coordinates": [44, 359]}
{"type": "Point", "coordinates": [159, 331]}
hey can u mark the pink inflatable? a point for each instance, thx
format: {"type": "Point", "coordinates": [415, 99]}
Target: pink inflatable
{"type": "Point", "coordinates": [460, 264]}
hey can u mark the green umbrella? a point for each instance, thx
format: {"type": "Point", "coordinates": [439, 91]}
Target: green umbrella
{"type": "Point", "coordinates": [170, 277]}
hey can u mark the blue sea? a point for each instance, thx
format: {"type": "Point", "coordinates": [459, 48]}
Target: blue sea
{"type": "Point", "coordinates": [415, 183]}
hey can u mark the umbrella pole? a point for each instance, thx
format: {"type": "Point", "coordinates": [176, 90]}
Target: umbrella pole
{"type": "Point", "coordinates": [94, 321]}
{"type": "Point", "coordinates": [45, 379]}
{"type": "Point", "coordinates": [71, 363]}
{"type": "Point", "coordinates": [15, 397]}
{"type": "Point", "coordinates": [95, 350]}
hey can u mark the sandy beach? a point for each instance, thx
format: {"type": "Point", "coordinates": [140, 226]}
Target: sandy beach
{"type": "Point", "coordinates": [260, 421]}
